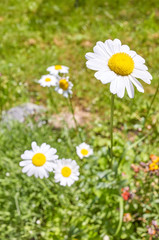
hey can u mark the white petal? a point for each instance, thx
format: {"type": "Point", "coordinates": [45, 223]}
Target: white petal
{"type": "Point", "coordinates": [121, 87]}
{"type": "Point", "coordinates": [113, 86]}
{"type": "Point", "coordinates": [136, 83]}
{"type": "Point", "coordinates": [138, 58]}
{"type": "Point", "coordinates": [144, 75]}
{"type": "Point", "coordinates": [96, 64]}
{"type": "Point", "coordinates": [26, 168]}
{"type": "Point", "coordinates": [132, 53]}
{"type": "Point", "coordinates": [117, 45]}
{"type": "Point", "coordinates": [35, 147]}
{"type": "Point", "coordinates": [109, 47]}
{"type": "Point", "coordinates": [27, 155]}
{"type": "Point", "coordinates": [102, 49]}
{"type": "Point", "coordinates": [105, 76]}
{"type": "Point", "coordinates": [129, 87]}
{"type": "Point", "coordinates": [91, 55]}
{"type": "Point", "coordinates": [44, 147]}
{"type": "Point", "coordinates": [140, 66]}
{"type": "Point", "coordinates": [25, 163]}
{"type": "Point", "coordinates": [31, 172]}
{"type": "Point", "coordinates": [124, 48]}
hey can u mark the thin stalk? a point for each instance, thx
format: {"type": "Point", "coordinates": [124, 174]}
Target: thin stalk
{"type": "Point", "coordinates": [51, 98]}
{"type": "Point", "coordinates": [152, 101]}
{"type": "Point", "coordinates": [111, 127]}
{"type": "Point", "coordinates": [73, 115]}
{"type": "Point", "coordinates": [121, 207]}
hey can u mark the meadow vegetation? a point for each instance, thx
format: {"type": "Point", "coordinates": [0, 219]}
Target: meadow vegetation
{"type": "Point", "coordinates": [35, 35]}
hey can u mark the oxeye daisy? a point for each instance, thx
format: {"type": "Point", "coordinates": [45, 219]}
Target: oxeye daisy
{"type": "Point", "coordinates": [47, 80]}
{"type": "Point", "coordinates": [84, 150]}
{"type": "Point", "coordinates": [118, 65]}
{"type": "Point", "coordinates": [64, 86]}
{"type": "Point", "coordinates": [66, 172]}
{"type": "Point", "coordinates": [56, 69]}
{"type": "Point", "coordinates": [38, 161]}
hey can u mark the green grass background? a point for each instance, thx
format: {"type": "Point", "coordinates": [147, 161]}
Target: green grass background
{"type": "Point", "coordinates": [37, 34]}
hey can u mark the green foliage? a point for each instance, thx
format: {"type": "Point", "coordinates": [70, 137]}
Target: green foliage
{"type": "Point", "coordinates": [37, 34]}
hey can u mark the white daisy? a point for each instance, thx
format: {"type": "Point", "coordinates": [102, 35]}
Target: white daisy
{"type": "Point", "coordinates": [47, 80]}
{"type": "Point", "coordinates": [56, 69]}
{"type": "Point", "coordinates": [84, 150]}
{"type": "Point", "coordinates": [64, 86]}
{"type": "Point", "coordinates": [38, 161]}
{"type": "Point", "coordinates": [118, 65]}
{"type": "Point", "coordinates": [66, 172]}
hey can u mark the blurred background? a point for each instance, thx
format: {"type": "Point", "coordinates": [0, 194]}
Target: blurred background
{"type": "Point", "coordinates": [36, 34]}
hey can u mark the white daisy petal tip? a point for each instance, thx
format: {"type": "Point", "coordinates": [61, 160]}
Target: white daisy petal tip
{"type": "Point", "coordinates": [66, 172]}
{"type": "Point", "coordinates": [113, 63]}
{"type": "Point", "coordinates": [39, 161]}
{"type": "Point", "coordinates": [84, 150]}
{"type": "Point", "coordinates": [64, 87]}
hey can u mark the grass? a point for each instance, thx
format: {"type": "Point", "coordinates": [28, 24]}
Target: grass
{"type": "Point", "coordinates": [35, 35]}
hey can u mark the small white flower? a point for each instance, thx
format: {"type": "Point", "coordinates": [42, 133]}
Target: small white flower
{"type": "Point", "coordinates": [66, 171]}
{"type": "Point", "coordinates": [7, 174]}
{"type": "Point", "coordinates": [38, 161]}
{"type": "Point", "coordinates": [84, 150]}
{"type": "Point", "coordinates": [64, 86]}
{"type": "Point", "coordinates": [118, 65]}
{"type": "Point", "coordinates": [47, 80]}
{"type": "Point", "coordinates": [106, 237]}
{"type": "Point", "coordinates": [38, 221]}
{"type": "Point", "coordinates": [56, 69]}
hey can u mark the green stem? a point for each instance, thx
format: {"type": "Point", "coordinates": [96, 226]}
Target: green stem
{"type": "Point", "coordinates": [121, 207]}
{"type": "Point", "coordinates": [73, 115]}
{"type": "Point", "coordinates": [51, 98]}
{"type": "Point", "coordinates": [152, 101]}
{"type": "Point", "coordinates": [111, 127]}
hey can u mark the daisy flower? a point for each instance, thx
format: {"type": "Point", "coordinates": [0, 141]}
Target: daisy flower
{"type": "Point", "coordinates": [84, 150]}
{"type": "Point", "coordinates": [38, 161]}
{"type": "Point", "coordinates": [56, 69]}
{"type": "Point", "coordinates": [66, 171]}
{"type": "Point", "coordinates": [118, 65]}
{"type": "Point", "coordinates": [47, 80]}
{"type": "Point", "coordinates": [64, 86]}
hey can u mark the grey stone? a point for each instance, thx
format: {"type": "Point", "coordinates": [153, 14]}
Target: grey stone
{"type": "Point", "coordinates": [20, 112]}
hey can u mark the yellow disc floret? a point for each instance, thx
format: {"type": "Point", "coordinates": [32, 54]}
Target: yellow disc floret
{"type": "Point", "coordinates": [63, 83]}
{"type": "Point", "coordinates": [47, 79]}
{"type": "Point", "coordinates": [38, 159]}
{"type": "Point", "coordinates": [121, 63]}
{"type": "Point", "coordinates": [84, 152]}
{"type": "Point", "coordinates": [66, 171]}
{"type": "Point", "coordinates": [58, 67]}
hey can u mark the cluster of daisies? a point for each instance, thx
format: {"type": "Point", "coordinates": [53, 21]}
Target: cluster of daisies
{"type": "Point", "coordinates": [57, 78]}
{"type": "Point", "coordinates": [43, 159]}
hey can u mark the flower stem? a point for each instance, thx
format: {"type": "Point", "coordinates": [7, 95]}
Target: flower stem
{"type": "Point", "coordinates": [51, 98]}
{"type": "Point", "coordinates": [150, 106]}
{"type": "Point", "coordinates": [73, 115]}
{"type": "Point", "coordinates": [111, 127]}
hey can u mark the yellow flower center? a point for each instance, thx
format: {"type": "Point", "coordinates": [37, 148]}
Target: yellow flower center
{"type": "Point", "coordinates": [84, 152]}
{"type": "Point", "coordinates": [47, 79]}
{"type": "Point", "coordinates": [66, 171]}
{"type": "Point", "coordinates": [63, 84]}
{"type": "Point", "coordinates": [121, 63]}
{"type": "Point", "coordinates": [38, 159]}
{"type": "Point", "coordinates": [153, 167]}
{"type": "Point", "coordinates": [58, 67]}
